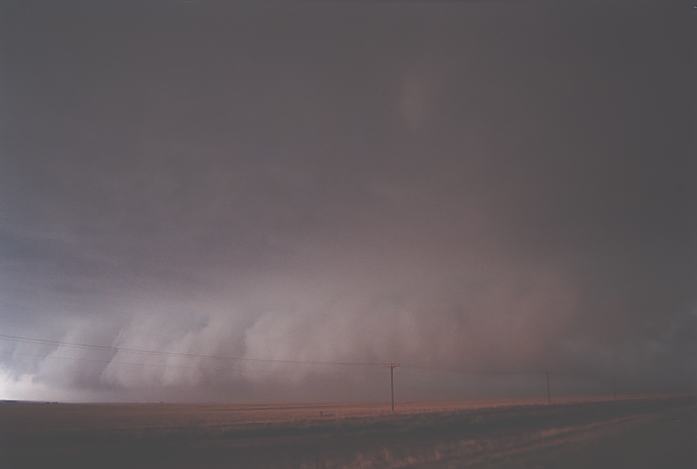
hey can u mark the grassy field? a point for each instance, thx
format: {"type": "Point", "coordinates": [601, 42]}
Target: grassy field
{"type": "Point", "coordinates": [640, 432]}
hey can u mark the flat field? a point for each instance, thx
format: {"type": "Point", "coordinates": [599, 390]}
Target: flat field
{"type": "Point", "coordinates": [634, 433]}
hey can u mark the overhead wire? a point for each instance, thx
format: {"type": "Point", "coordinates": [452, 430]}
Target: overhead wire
{"type": "Point", "coordinates": [117, 348]}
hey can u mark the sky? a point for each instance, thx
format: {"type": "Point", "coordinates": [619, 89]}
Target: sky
{"type": "Point", "coordinates": [454, 185]}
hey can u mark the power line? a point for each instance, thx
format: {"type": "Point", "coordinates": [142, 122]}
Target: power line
{"type": "Point", "coordinates": [110, 362]}
{"type": "Point", "coordinates": [115, 348]}
{"type": "Point", "coordinates": [471, 371]}
{"type": "Point", "coordinates": [163, 353]}
{"type": "Point", "coordinates": [236, 371]}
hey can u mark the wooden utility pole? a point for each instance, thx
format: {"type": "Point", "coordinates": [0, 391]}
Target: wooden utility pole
{"type": "Point", "coordinates": [392, 366]}
{"type": "Point", "coordinates": [549, 392]}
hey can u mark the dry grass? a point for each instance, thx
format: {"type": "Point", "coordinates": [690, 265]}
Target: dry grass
{"type": "Point", "coordinates": [501, 433]}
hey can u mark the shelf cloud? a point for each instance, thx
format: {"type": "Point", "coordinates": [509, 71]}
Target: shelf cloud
{"type": "Point", "coordinates": [467, 186]}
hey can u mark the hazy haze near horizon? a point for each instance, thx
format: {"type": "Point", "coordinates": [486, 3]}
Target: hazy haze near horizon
{"type": "Point", "coordinates": [474, 185]}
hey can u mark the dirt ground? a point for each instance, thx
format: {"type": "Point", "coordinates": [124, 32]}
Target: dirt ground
{"type": "Point", "coordinates": [633, 433]}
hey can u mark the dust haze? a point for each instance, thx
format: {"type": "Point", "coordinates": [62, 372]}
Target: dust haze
{"type": "Point", "coordinates": [467, 186]}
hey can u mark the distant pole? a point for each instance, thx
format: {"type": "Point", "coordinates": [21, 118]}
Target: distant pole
{"type": "Point", "coordinates": [392, 386]}
{"type": "Point", "coordinates": [549, 393]}
{"type": "Point", "coordinates": [392, 366]}
{"type": "Point", "coordinates": [614, 387]}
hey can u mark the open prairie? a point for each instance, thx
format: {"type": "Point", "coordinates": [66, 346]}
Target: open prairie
{"type": "Point", "coordinates": [637, 433]}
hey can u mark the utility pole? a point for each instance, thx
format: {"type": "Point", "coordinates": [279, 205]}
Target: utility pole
{"type": "Point", "coordinates": [614, 376]}
{"type": "Point", "coordinates": [549, 393]}
{"type": "Point", "coordinates": [392, 366]}
{"type": "Point", "coordinates": [614, 388]}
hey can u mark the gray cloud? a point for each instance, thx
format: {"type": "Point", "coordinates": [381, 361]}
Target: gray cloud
{"type": "Point", "coordinates": [470, 186]}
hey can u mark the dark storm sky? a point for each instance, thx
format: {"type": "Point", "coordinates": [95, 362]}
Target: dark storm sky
{"type": "Point", "coordinates": [472, 185]}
